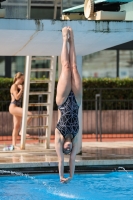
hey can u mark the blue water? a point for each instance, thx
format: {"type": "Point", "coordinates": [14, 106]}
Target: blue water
{"type": "Point", "coordinates": [111, 186]}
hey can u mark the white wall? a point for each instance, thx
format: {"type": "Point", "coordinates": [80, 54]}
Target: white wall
{"type": "Point", "coordinates": [128, 7]}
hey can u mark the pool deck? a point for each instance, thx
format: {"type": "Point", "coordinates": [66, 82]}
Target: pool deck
{"type": "Point", "coordinates": [94, 154]}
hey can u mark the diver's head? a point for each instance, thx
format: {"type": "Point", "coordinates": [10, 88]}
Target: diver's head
{"type": "Point", "coordinates": [67, 147]}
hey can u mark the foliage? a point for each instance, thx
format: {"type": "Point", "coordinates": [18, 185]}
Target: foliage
{"type": "Point", "coordinates": [115, 93]}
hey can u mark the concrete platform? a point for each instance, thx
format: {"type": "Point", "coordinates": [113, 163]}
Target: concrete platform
{"type": "Point", "coordinates": [95, 156]}
{"type": "Point", "coordinates": [21, 37]}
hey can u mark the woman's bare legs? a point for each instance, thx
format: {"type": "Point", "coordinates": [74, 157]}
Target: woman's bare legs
{"type": "Point", "coordinates": [64, 83]}
{"type": "Point", "coordinates": [17, 113]}
{"type": "Point", "coordinates": [16, 128]}
{"type": "Point", "coordinates": [28, 122]}
{"type": "Point", "coordinates": [76, 80]}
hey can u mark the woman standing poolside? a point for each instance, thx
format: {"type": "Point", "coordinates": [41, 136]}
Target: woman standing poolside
{"type": "Point", "coordinates": [15, 109]}
{"type": "Point", "coordinates": [68, 100]}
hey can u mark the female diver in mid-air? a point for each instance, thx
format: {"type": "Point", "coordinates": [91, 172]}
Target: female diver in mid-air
{"type": "Point", "coordinates": [68, 99]}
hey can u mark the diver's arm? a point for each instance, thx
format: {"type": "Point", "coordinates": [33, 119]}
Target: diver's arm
{"type": "Point", "coordinates": [61, 166]}
{"type": "Point", "coordinates": [73, 156]}
{"type": "Point", "coordinates": [58, 147]}
{"type": "Point", "coordinates": [72, 159]}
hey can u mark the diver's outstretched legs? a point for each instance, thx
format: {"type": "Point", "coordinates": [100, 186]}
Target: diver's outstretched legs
{"type": "Point", "coordinates": [76, 80]}
{"type": "Point", "coordinates": [64, 83]}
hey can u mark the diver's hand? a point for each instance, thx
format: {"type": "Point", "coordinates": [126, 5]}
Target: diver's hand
{"type": "Point", "coordinates": [68, 179]}
{"type": "Point", "coordinates": [62, 180]}
{"type": "Point", "coordinates": [65, 180]}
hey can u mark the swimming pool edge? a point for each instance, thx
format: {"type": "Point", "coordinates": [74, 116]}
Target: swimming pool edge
{"type": "Point", "coordinates": [81, 166]}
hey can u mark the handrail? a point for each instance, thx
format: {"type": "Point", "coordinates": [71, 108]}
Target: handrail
{"type": "Point", "coordinates": [41, 3]}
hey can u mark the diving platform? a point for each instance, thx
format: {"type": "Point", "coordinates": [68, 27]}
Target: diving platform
{"type": "Point", "coordinates": [97, 10]}
{"type": "Point", "coordinates": [22, 37]}
{"type": "Point", "coordinates": [80, 8]}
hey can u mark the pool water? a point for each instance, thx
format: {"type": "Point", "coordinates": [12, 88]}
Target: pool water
{"type": "Point", "coordinates": [111, 186]}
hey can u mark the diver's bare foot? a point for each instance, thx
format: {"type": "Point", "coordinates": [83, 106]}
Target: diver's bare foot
{"type": "Point", "coordinates": [71, 37]}
{"type": "Point", "coordinates": [65, 33]}
{"type": "Point", "coordinates": [16, 147]}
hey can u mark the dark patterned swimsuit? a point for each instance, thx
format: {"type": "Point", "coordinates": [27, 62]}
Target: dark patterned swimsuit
{"type": "Point", "coordinates": [17, 102]}
{"type": "Point", "coordinates": [69, 123]}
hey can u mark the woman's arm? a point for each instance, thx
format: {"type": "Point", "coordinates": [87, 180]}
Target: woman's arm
{"type": "Point", "coordinates": [14, 91]}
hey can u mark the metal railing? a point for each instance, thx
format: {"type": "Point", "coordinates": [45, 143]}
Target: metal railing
{"type": "Point", "coordinates": [98, 118]}
{"type": "Point", "coordinates": [110, 115]}
{"type": "Point", "coordinates": [102, 117]}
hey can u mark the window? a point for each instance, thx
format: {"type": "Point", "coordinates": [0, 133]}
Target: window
{"type": "Point", "coordinates": [100, 64]}
{"type": "Point", "coordinates": [126, 63]}
{"type": "Point", "coordinates": [2, 66]}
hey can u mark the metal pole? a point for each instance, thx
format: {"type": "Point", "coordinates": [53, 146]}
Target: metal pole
{"type": "Point", "coordinates": [25, 100]}
{"type": "Point", "coordinates": [96, 117]}
{"type": "Point", "coordinates": [8, 66]}
{"type": "Point", "coordinates": [40, 119]}
{"type": "Point", "coordinates": [29, 9]}
{"type": "Point", "coordinates": [96, 109]}
{"type": "Point", "coordinates": [26, 88]}
{"type": "Point", "coordinates": [39, 108]}
{"type": "Point", "coordinates": [55, 9]}
{"type": "Point", "coordinates": [61, 8]}
{"type": "Point", "coordinates": [100, 110]}
{"type": "Point", "coordinates": [117, 63]}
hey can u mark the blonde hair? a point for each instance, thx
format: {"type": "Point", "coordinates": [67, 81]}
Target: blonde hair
{"type": "Point", "coordinates": [18, 75]}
